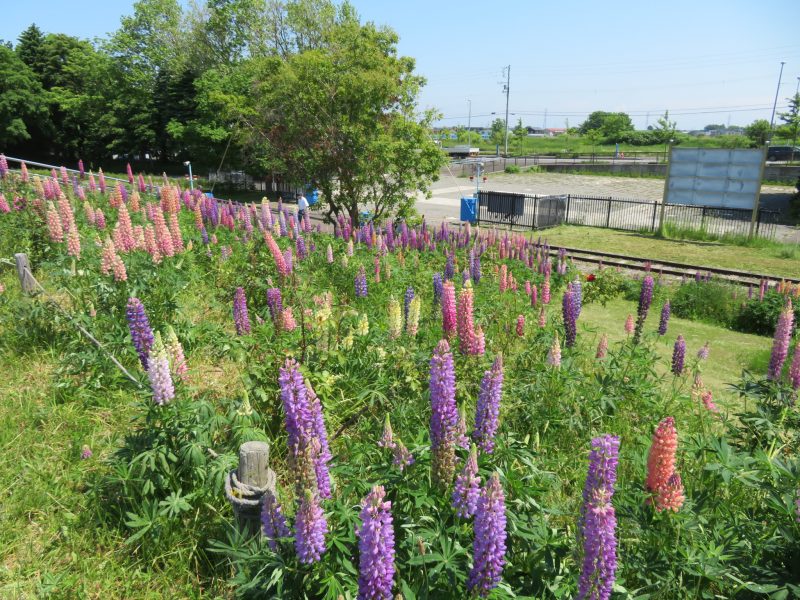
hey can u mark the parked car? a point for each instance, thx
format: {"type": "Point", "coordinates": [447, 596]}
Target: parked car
{"type": "Point", "coordinates": [783, 153]}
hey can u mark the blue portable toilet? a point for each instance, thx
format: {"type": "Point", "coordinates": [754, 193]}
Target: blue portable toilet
{"type": "Point", "coordinates": [469, 209]}
{"type": "Point", "coordinates": [209, 194]}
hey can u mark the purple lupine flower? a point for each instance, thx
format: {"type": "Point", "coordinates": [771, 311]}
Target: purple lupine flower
{"type": "Point", "coordinates": [444, 415]}
{"type": "Point", "coordinates": [645, 300]}
{"type": "Point", "coordinates": [273, 523]}
{"type": "Point", "coordinates": [664, 322]}
{"type": "Point", "coordinates": [376, 547]}
{"type": "Point", "coordinates": [449, 267]}
{"type": "Point", "coordinates": [462, 441]}
{"type": "Point", "coordinates": [159, 374]}
{"type": "Point", "coordinates": [361, 283]}
{"type": "Point", "coordinates": [387, 439]}
{"type": "Point", "coordinates": [204, 236]}
{"type": "Point", "coordinates": [305, 428]}
{"type": "Point", "coordinates": [568, 312]}
{"type": "Point", "coordinates": [402, 457]}
{"type": "Point", "coordinates": [438, 287]}
{"type": "Point", "coordinates": [702, 354]}
{"type": "Point", "coordinates": [323, 455]}
{"type": "Point", "coordinates": [577, 291]}
{"type": "Point", "coordinates": [86, 452]}
{"type": "Point", "coordinates": [780, 343]}
{"type": "Point", "coordinates": [489, 548]}
{"type": "Point", "coordinates": [488, 406]}
{"type": "Point", "coordinates": [597, 526]}
{"type": "Point", "coordinates": [467, 487]}
{"type": "Point", "coordinates": [408, 298]}
{"type": "Point", "coordinates": [275, 304]}
{"type": "Point", "coordinates": [300, 246]}
{"type": "Point", "coordinates": [241, 319]}
{"type": "Point", "coordinates": [678, 355]}
{"type": "Point", "coordinates": [141, 332]}
{"type": "Point", "coordinates": [81, 169]}
{"type": "Point", "coordinates": [476, 269]}
{"type": "Point", "coordinates": [287, 258]}
{"type": "Point", "coordinates": [310, 528]}
{"type": "Point", "coordinates": [794, 368]}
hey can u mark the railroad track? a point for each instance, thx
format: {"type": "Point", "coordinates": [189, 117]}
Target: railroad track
{"type": "Point", "coordinates": [638, 263]}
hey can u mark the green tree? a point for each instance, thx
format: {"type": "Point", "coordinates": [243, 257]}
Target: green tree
{"type": "Point", "coordinates": [21, 100]}
{"type": "Point", "coordinates": [29, 48]}
{"type": "Point", "coordinates": [344, 117]}
{"type": "Point", "coordinates": [791, 118]}
{"type": "Point", "coordinates": [758, 131]}
{"type": "Point", "coordinates": [665, 129]}
{"type": "Point", "coordinates": [611, 126]}
{"type": "Point", "coordinates": [498, 135]}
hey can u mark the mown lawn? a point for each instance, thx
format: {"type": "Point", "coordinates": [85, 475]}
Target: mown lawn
{"type": "Point", "coordinates": [731, 351]}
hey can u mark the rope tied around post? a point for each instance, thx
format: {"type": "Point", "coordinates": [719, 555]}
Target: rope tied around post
{"type": "Point", "coordinates": [246, 486]}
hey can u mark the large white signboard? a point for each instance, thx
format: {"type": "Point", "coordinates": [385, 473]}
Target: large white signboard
{"type": "Point", "coordinates": [714, 177]}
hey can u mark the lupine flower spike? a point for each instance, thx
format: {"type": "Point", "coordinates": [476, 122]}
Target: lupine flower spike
{"type": "Point", "coordinates": [489, 549]}
{"type": "Point", "coordinates": [780, 344]}
{"type": "Point", "coordinates": [678, 355]}
{"type": "Point", "coordinates": [467, 487]}
{"type": "Point", "coordinates": [376, 547]}
{"type": "Point", "coordinates": [598, 522]}
{"type": "Point", "coordinates": [662, 480]}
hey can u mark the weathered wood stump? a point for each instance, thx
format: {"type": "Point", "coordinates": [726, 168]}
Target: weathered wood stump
{"type": "Point", "coordinates": [246, 486]}
{"type": "Point", "coordinates": [24, 273]}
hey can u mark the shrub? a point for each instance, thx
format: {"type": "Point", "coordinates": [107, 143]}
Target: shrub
{"type": "Point", "coordinates": [761, 316]}
{"type": "Point", "coordinates": [512, 169]}
{"type": "Point", "coordinates": [606, 285]}
{"type": "Point", "coordinates": [710, 301]}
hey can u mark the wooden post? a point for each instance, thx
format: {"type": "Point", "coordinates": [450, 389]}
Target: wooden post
{"type": "Point", "coordinates": [253, 471]}
{"type": "Point", "coordinates": [758, 196]}
{"type": "Point", "coordinates": [24, 273]}
{"type": "Point", "coordinates": [668, 158]}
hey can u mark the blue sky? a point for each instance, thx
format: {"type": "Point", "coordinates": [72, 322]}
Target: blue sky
{"type": "Point", "coordinates": [707, 61]}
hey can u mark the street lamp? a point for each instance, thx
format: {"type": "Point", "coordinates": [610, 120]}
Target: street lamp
{"type": "Point", "coordinates": [775, 103]}
{"type": "Point", "coordinates": [187, 163]}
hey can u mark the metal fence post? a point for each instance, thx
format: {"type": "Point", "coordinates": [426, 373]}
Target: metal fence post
{"type": "Point", "coordinates": [608, 216]}
{"type": "Point", "coordinates": [535, 211]}
{"type": "Point", "coordinates": [655, 211]}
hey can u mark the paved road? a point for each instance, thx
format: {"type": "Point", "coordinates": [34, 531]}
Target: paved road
{"type": "Point", "coordinates": [444, 204]}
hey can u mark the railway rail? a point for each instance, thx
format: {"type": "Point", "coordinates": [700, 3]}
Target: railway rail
{"type": "Point", "coordinates": [638, 263]}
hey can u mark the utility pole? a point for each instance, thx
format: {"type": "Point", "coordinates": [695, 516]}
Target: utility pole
{"type": "Point", "coordinates": [506, 91]}
{"type": "Point", "coordinates": [796, 118]}
{"type": "Point", "coordinates": [469, 124]}
{"type": "Point", "coordinates": [775, 103]}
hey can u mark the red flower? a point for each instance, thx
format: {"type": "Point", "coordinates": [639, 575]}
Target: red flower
{"type": "Point", "coordinates": [590, 277]}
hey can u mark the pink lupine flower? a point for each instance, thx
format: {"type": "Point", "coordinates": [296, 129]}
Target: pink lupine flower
{"type": "Point", "coordinates": [465, 323]}
{"type": "Point", "coordinates": [661, 475]}
{"type": "Point", "coordinates": [629, 325]}
{"type": "Point", "coordinates": [794, 369]}
{"type": "Point", "coordinates": [780, 344]}
{"type": "Point", "coordinates": [503, 278]}
{"type": "Point", "coordinates": [54, 224]}
{"type": "Point", "coordinates": [708, 401]}
{"type": "Point", "coordinates": [130, 173]}
{"type": "Point", "coordinates": [520, 325]}
{"type": "Point", "coordinates": [175, 233]}
{"type": "Point", "coordinates": [73, 243]}
{"type": "Point", "coordinates": [546, 289]}
{"type": "Point", "coordinates": [4, 207]}
{"type": "Point", "coordinates": [602, 347]}
{"type": "Point", "coordinates": [542, 318]}
{"type": "Point", "coordinates": [287, 321]}
{"type": "Point", "coordinates": [554, 355]}
{"type": "Point", "coordinates": [126, 240]}
{"type": "Point", "coordinates": [448, 309]}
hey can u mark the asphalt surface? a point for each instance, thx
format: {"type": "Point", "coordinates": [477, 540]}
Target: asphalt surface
{"type": "Point", "coordinates": [445, 201]}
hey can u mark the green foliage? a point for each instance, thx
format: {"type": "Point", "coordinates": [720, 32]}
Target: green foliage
{"type": "Point", "coordinates": [761, 316]}
{"type": "Point", "coordinates": [21, 103]}
{"type": "Point", "coordinates": [611, 126]}
{"type": "Point", "coordinates": [708, 301]}
{"type": "Point", "coordinates": [607, 285]}
{"type": "Point", "coordinates": [512, 169]}
{"type": "Point", "coordinates": [758, 131]}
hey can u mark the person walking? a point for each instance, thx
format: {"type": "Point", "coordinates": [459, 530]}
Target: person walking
{"type": "Point", "coordinates": [302, 206]}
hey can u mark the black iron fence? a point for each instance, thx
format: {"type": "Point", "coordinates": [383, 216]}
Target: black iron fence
{"type": "Point", "coordinates": [536, 212]}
